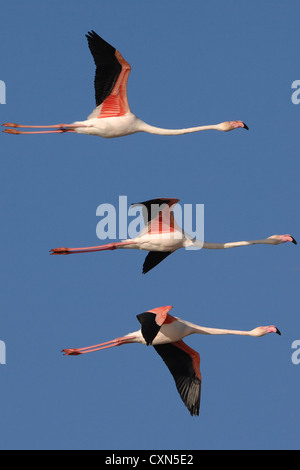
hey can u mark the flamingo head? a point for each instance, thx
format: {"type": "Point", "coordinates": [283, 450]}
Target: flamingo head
{"type": "Point", "coordinates": [278, 239]}
{"type": "Point", "coordinates": [230, 125]}
{"type": "Point", "coordinates": [265, 330]}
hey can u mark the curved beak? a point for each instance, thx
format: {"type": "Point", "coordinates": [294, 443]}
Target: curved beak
{"type": "Point", "coordinates": [294, 241]}
{"type": "Point", "coordinates": [246, 127]}
{"type": "Point", "coordinates": [278, 332]}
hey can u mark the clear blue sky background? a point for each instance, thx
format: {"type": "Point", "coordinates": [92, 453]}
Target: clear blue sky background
{"type": "Point", "coordinates": [193, 63]}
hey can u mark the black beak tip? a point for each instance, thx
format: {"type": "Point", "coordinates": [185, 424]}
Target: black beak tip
{"type": "Point", "coordinates": [246, 127]}
{"type": "Point", "coordinates": [294, 241]}
{"type": "Point", "coordinates": [278, 332]}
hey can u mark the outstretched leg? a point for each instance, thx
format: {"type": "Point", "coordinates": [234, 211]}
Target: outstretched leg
{"type": "Point", "coordinates": [109, 246]}
{"type": "Point", "coordinates": [97, 347]}
{"type": "Point", "coordinates": [58, 131]}
{"type": "Point", "coordinates": [60, 128]}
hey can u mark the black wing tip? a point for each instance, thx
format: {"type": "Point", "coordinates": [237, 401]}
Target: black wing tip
{"type": "Point", "coordinates": [98, 43]}
{"type": "Point", "coordinates": [146, 269]}
{"type": "Point", "coordinates": [160, 201]}
{"type": "Point", "coordinates": [91, 34]}
{"type": "Point", "coordinates": [194, 397]}
{"type": "Point", "coordinates": [194, 411]}
{"type": "Point", "coordinates": [153, 259]}
{"type": "Point", "coordinates": [189, 390]}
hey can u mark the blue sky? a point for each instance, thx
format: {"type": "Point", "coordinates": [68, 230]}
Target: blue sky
{"type": "Point", "coordinates": [193, 63]}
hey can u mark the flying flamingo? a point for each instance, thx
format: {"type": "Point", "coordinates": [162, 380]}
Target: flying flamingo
{"type": "Point", "coordinates": [112, 116]}
{"type": "Point", "coordinates": [165, 332]}
{"type": "Point", "coordinates": [162, 236]}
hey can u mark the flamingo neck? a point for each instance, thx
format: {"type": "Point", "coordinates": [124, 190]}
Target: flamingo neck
{"type": "Point", "coordinates": [217, 331]}
{"type": "Point", "coordinates": [161, 131]}
{"type": "Point", "coordinates": [216, 246]}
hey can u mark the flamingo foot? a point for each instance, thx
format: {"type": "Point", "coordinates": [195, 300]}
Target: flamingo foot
{"type": "Point", "coordinates": [11, 131]}
{"type": "Point", "coordinates": [10, 124]}
{"type": "Point", "coordinates": [60, 251]}
{"type": "Point", "coordinates": [71, 352]}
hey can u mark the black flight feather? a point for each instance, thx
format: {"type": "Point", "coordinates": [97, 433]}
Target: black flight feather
{"type": "Point", "coordinates": [152, 208]}
{"type": "Point", "coordinates": [153, 259]}
{"type": "Point", "coordinates": [149, 326]}
{"type": "Point", "coordinates": [180, 364]}
{"type": "Point", "coordinates": [108, 67]}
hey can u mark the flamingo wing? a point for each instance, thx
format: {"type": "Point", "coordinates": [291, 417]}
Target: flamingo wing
{"type": "Point", "coordinates": [152, 321]}
{"type": "Point", "coordinates": [184, 364]}
{"type": "Point", "coordinates": [158, 215]}
{"type": "Point", "coordinates": [153, 207]}
{"type": "Point", "coordinates": [153, 259]}
{"type": "Point", "coordinates": [111, 77]}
